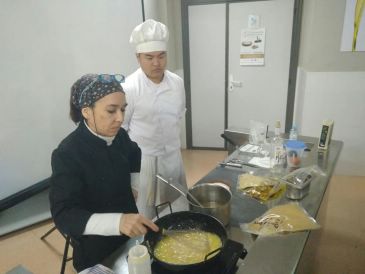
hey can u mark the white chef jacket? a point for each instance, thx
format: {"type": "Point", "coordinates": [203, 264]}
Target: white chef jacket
{"type": "Point", "coordinates": [152, 119]}
{"type": "Point", "coordinates": [154, 112]}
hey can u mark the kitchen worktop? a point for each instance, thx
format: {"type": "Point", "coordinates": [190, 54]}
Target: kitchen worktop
{"type": "Point", "coordinates": [281, 254]}
{"type": "Point", "coordinates": [274, 254]}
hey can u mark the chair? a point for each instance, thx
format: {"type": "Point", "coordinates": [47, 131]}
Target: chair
{"type": "Point", "coordinates": [65, 259]}
{"type": "Point", "coordinates": [231, 145]}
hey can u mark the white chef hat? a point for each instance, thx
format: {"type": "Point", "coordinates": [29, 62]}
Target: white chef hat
{"type": "Point", "coordinates": [150, 36]}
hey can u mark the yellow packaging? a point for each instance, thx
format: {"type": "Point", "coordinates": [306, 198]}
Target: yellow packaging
{"type": "Point", "coordinates": [260, 188]}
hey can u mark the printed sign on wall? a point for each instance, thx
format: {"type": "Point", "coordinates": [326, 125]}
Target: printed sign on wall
{"type": "Point", "coordinates": [252, 51]}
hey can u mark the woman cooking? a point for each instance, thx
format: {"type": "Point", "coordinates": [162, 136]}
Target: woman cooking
{"type": "Point", "coordinates": [92, 172]}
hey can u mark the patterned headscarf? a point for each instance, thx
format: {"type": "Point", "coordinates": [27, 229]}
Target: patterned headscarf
{"type": "Point", "coordinates": [90, 88]}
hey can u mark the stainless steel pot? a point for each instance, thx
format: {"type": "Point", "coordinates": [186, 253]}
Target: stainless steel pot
{"type": "Point", "coordinates": [215, 200]}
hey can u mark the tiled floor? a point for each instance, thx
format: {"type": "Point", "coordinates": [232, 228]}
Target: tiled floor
{"type": "Point", "coordinates": [337, 248]}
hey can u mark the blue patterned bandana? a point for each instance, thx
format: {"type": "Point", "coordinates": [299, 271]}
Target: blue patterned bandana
{"type": "Point", "coordinates": [92, 87]}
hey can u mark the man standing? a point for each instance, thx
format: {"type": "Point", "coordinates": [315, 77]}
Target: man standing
{"type": "Point", "coordinates": [156, 104]}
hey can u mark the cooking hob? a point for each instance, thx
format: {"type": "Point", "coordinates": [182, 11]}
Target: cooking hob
{"type": "Point", "coordinates": [226, 263]}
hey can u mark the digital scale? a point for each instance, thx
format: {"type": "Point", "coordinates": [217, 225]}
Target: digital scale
{"type": "Point", "coordinates": [326, 134]}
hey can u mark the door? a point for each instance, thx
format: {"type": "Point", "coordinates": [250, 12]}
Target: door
{"type": "Point", "coordinates": [211, 53]}
{"type": "Point", "coordinates": [207, 82]}
{"type": "Point", "coordinates": [260, 92]}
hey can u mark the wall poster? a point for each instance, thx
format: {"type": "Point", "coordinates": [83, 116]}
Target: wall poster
{"type": "Point", "coordinates": [252, 52]}
{"type": "Point", "coordinates": [353, 34]}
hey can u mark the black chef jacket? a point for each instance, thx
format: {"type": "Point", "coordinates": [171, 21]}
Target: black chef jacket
{"type": "Point", "coordinates": [88, 176]}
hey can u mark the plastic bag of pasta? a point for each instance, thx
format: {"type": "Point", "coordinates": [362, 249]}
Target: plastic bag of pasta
{"type": "Point", "coordinates": [281, 219]}
{"type": "Point", "coordinates": [259, 187]}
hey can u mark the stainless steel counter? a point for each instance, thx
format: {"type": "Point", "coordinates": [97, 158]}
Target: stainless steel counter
{"type": "Point", "coordinates": [281, 254]}
{"type": "Point", "coordinates": [275, 254]}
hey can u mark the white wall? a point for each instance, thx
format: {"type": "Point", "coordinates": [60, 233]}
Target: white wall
{"type": "Point", "coordinates": [339, 96]}
{"type": "Point", "coordinates": [46, 46]}
{"type": "Point", "coordinates": [331, 83]}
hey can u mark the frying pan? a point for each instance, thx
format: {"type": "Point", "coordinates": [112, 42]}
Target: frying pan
{"type": "Point", "coordinates": [185, 220]}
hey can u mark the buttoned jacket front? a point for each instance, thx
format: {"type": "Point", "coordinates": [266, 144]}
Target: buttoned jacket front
{"type": "Point", "coordinates": [154, 112]}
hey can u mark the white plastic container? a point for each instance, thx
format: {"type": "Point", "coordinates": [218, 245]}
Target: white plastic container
{"type": "Point", "coordinates": [294, 152]}
{"type": "Point", "coordinates": [139, 260]}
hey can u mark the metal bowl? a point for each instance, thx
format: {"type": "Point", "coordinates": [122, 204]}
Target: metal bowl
{"type": "Point", "coordinates": [215, 198]}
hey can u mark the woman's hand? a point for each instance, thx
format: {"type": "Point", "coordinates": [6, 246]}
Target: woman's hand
{"type": "Point", "coordinates": [134, 225]}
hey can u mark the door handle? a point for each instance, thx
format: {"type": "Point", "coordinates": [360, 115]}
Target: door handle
{"type": "Point", "coordinates": [232, 83]}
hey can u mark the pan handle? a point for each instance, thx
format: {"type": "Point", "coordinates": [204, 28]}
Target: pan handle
{"type": "Point", "coordinates": [212, 252]}
{"type": "Point", "coordinates": [161, 205]}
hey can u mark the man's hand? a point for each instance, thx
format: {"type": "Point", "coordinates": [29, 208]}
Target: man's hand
{"type": "Point", "coordinates": [134, 225]}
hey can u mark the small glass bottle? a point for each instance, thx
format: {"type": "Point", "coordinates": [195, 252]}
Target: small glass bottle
{"type": "Point", "coordinates": [277, 158]}
{"type": "Point", "coordinates": [293, 135]}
